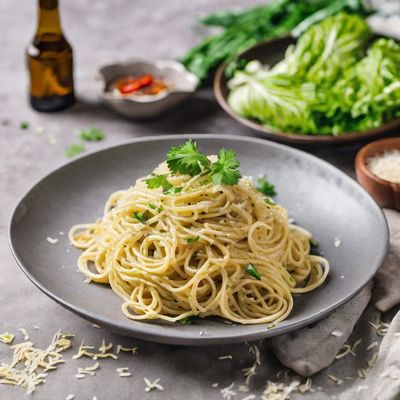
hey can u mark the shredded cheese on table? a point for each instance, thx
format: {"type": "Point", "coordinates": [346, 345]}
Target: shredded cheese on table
{"type": "Point", "coordinates": [152, 385]}
{"type": "Point", "coordinates": [52, 240]}
{"type": "Point", "coordinates": [24, 333]}
{"type": "Point", "coordinates": [227, 392]}
{"type": "Point", "coordinates": [381, 327]}
{"type": "Point", "coordinates": [126, 349]}
{"type": "Point", "coordinates": [386, 166]}
{"type": "Point", "coordinates": [335, 379]}
{"type": "Point", "coordinates": [251, 371]}
{"type": "Point", "coordinates": [29, 365]}
{"type": "Point", "coordinates": [372, 345]}
{"type": "Point", "coordinates": [83, 351]}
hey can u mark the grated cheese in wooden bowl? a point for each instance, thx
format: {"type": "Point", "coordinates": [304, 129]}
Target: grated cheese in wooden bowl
{"type": "Point", "coordinates": [386, 166]}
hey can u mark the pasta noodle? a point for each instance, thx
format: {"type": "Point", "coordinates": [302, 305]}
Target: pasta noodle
{"type": "Point", "coordinates": [172, 256]}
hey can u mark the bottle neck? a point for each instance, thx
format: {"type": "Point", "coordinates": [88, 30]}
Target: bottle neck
{"type": "Point", "coordinates": [48, 18]}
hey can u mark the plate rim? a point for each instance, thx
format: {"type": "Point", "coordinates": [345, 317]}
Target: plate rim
{"type": "Point", "coordinates": [150, 332]}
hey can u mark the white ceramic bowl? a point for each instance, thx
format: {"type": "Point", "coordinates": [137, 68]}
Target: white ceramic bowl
{"type": "Point", "coordinates": [182, 82]}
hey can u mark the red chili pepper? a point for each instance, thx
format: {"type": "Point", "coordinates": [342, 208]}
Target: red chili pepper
{"type": "Point", "coordinates": [136, 84]}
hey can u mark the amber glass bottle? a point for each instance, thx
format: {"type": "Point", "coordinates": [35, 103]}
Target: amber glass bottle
{"type": "Point", "coordinates": [50, 62]}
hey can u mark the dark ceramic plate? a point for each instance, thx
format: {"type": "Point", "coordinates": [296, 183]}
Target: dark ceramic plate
{"type": "Point", "coordinates": [270, 52]}
{"type": "Point", "coordinates": [319, 197]}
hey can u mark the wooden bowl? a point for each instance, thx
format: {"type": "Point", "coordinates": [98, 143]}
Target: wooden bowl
{"type": "Point", "coordinates": [386, 194]}
{"type": "Point", "coordinates": [270, 52]}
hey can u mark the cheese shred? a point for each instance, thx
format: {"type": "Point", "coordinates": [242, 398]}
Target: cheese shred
{"type": "Point", "coordinates": [30, 364]}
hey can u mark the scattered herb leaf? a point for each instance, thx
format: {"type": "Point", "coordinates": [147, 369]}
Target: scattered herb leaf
{"type": "Point", "coordinates": [74, 150]}
{"type": "Point", "coordinates": [91, 134]}
{"type": "Point", "coordinates": [193, 239]}
{"type": "Point", "coordinates": [188, 320]}
{"type": "Point", "coordinates": [24, 125]}
{"type": "Point", "coordinates": [173, 190]}
{"type": "Point", "coordinates": [187, 160]}
{"type": "Point", "coordinates": [266, 187]}
{"type": "Point", "coordinates": [252, 270]}
{"type": "Point", "coordinates": [152, 206]}
{"type": "Point", "coordinates": [141, 217]}
{"type": "Point", "coordinates": [158, 181]}
{"type": "Point", "coordinates": [313, 242]}
{"type": "Point", "coordinates": [225, 171]}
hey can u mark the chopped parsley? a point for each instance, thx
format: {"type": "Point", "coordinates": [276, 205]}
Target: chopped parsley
{"type": "Point", "coordinates": [158, 181]}
{"type": "Point", "coordinates": [173, 190]}
{"type": "Point", "coordinates": [152, 206]}
{"type": "Point", "coordinates": [252, 270]}
{"type": "Point", "coordinates": [91, 134]}
{"type": "Point", "coordinates": [187, 160]}
{"type": "Point", "coordinates": [74, 150]}
{"type": "Point", "coordinates": [225, 171]}
{"type": "Point", "coordinates": [24, 125]}
{"type": "Point", "coordinates": [266, 187]}
{"type": "Point", "coordinates": [141, 217]}
{"type": "Point", "coordinates": [193, 239]}
{"type": "Point", "coordinates": [313, 242]}
{"type": "Point", "coordinates": [188, 320]}
{"type": "Point", "coordinates": [270, 201]}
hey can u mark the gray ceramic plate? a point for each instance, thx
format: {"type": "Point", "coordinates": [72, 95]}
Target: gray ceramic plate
{"type": "Point", "coordinates": [319, 197]}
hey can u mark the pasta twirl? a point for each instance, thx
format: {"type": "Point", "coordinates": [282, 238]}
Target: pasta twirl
{"type": "Point", "coordinates": [185, 253]}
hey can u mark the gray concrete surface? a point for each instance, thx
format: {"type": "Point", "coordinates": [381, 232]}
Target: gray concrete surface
{"type": "Point", "coordinates": [101, 32]}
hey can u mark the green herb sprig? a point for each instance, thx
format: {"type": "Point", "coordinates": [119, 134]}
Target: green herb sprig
{"type": "Point", "coordinates": [193, 239]}
{"type": "Point", "coordinates": [91, 134]}
{"type": "Point", "coordinates": [158, 181]}
{"type": "Point", "coordinates": [187, 160]}
{"type": "Point", "coordinates": [141, 216]}
{"type": "Point", "coordinates": [252, 270]}
{"type": "Point", "coordinates": [266, 187]}
{"type": "Point", "coordinates": [74, 150]}
{"type": "Point", "coordinates": [188, 320]}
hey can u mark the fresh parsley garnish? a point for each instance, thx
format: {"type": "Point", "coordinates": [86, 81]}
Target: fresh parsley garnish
{"type": "Point", "coordinates": [173, 190]}
{"type": "Point", "coordinates": [24, 125]}
{"type": "Point", "coordinates": [141, 217]}
{"type": "Point", "coordinates": [187, 160]}
{"type": "Point", "coordinates": [152, 205]}
{"type": "Point", "coordinates": [74, 150]}
{"type": "Point", "coordinates": [266, 187]}
{"type": "Point", "coordinates": [252, 270]}
{"type": "Point", "coordinates": [158, 181]}
{"type": "Point", "coordinates": [91, 134]}
{"type": "Point", "coordinates": [188, 320]}
{"type": "Point", "coordinates": [225, 171]}
{"type": "Point", "coordinates": [193, 239]}
{"type": "Point", "coordinates": [313, 242]}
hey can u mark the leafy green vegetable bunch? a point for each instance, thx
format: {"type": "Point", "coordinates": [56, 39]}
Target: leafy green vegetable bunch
{"type": "Point", "coordinates": [241, 30]}
{"type": "Point", "coordinates": [327, 84]}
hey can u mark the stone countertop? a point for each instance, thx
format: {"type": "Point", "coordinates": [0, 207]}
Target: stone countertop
{"type": "Point", "coordinates": [103, 32]}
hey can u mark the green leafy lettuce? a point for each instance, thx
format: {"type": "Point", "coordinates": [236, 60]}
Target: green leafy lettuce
{"type": "Point", "coordinates": [328, 83]}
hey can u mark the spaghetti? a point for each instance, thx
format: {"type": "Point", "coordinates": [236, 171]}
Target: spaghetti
{"type": "Point", "coordinates": [187, 252]}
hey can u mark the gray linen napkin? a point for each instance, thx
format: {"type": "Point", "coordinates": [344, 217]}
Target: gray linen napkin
{"type": "Point", "coordinates": [384, 382]}
{"type": "Point", "coordinates": [308, 350]}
